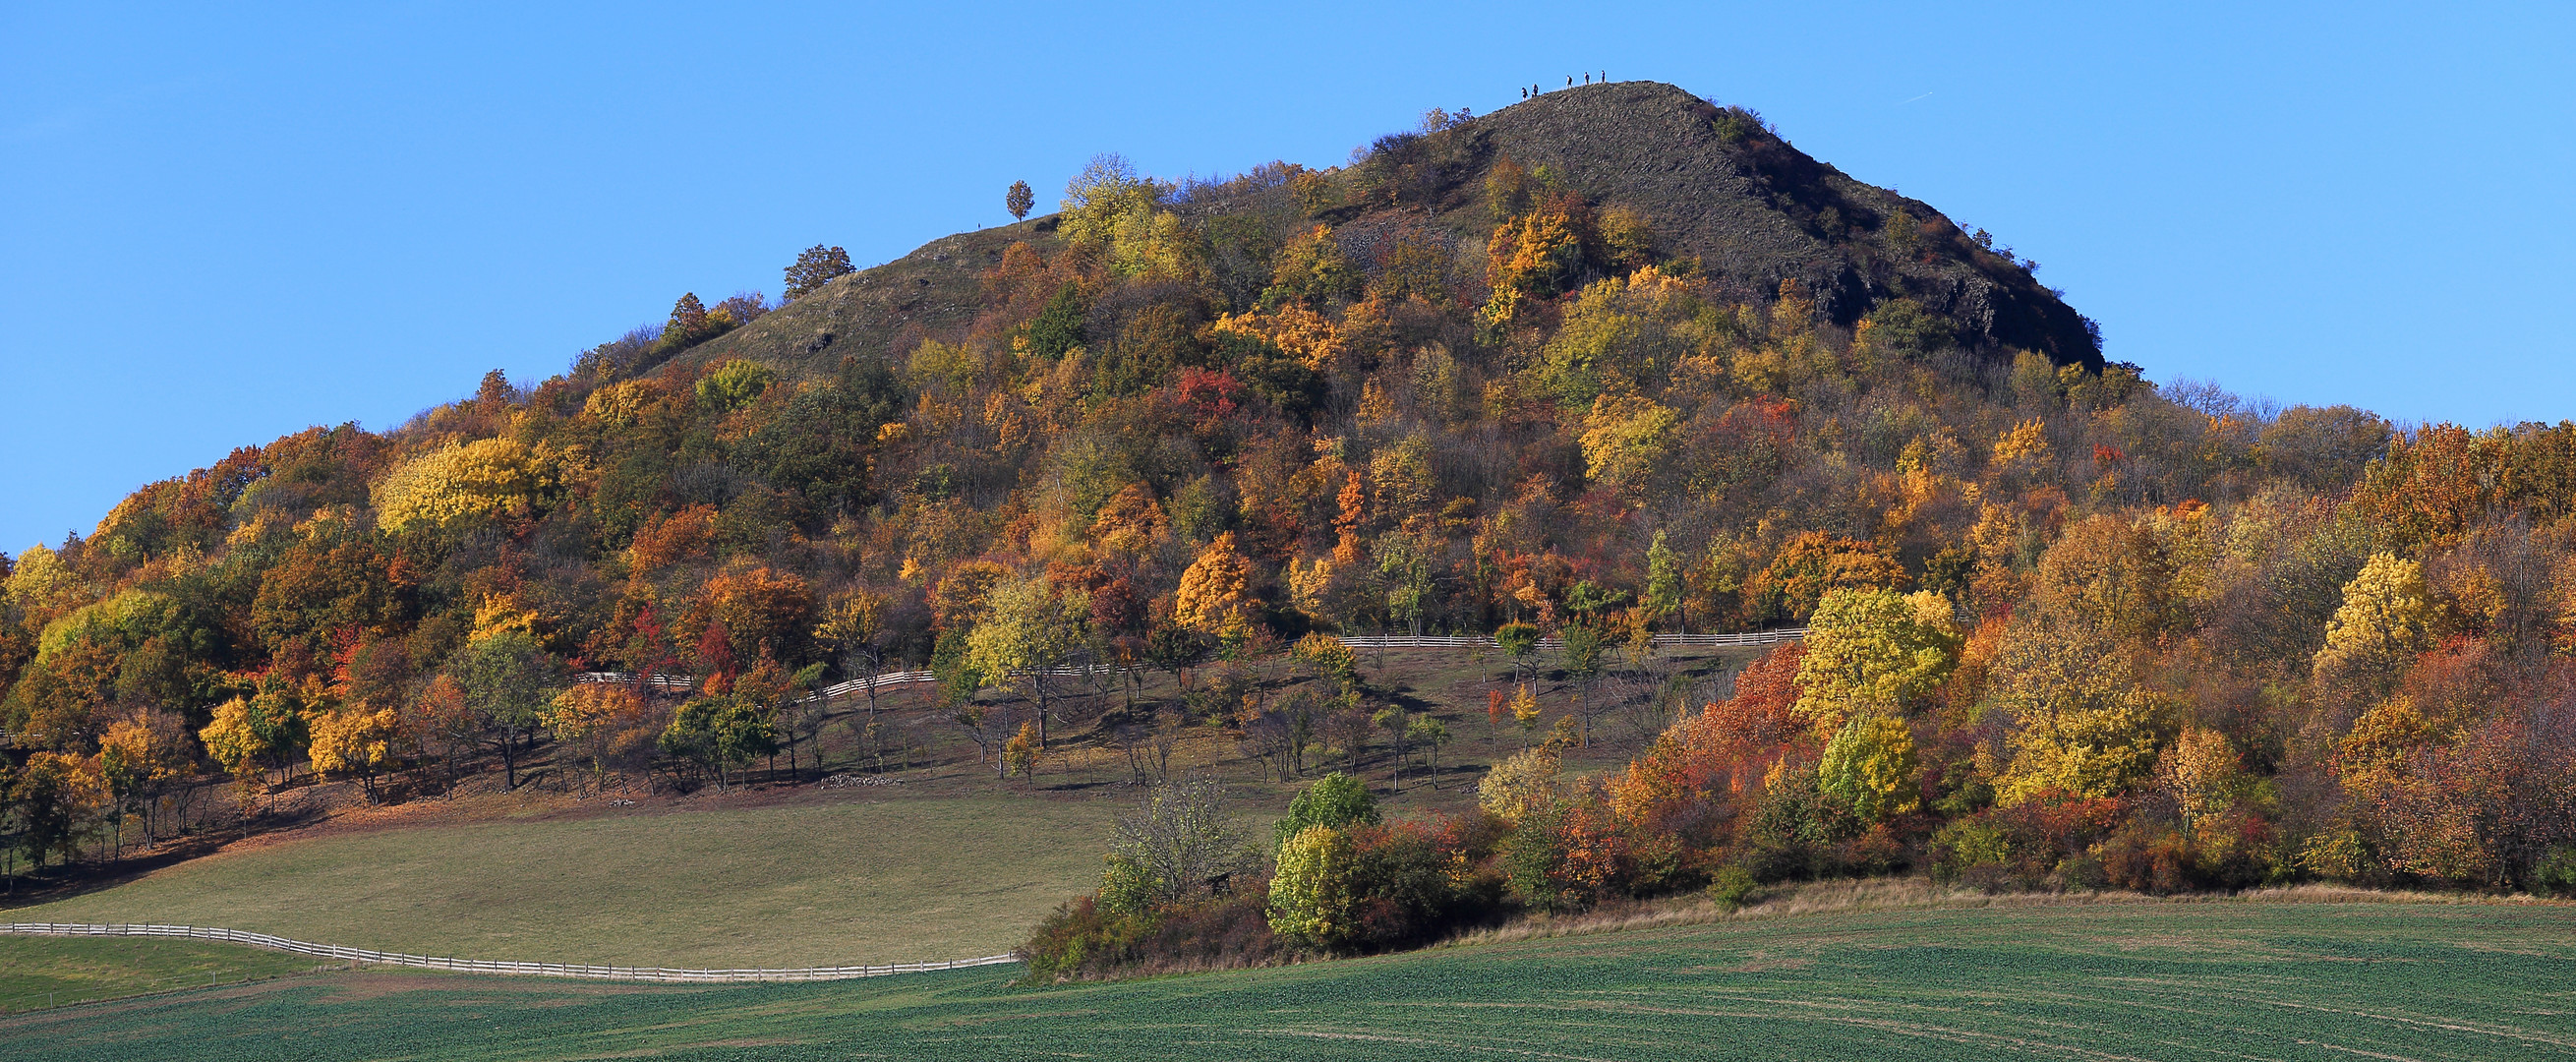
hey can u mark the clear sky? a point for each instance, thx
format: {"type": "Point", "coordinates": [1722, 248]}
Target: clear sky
{"type": "Point", "coordinates": [222, 223]}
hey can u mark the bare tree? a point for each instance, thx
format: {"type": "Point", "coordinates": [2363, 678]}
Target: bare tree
{"type": "Point", "coordinates": [1166, 736]}
{"type": "Point", "coordinates": [1180, 837]}
{"type": "Point", "coordinates": [1266, 738]}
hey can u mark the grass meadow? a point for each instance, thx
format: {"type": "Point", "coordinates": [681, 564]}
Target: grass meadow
{"type": "Point", "coordinates": [2110, 980]}
{"type": "Point", "coordinates": [861, 880]}
{"type": "Point", "coordinates": [41, 972]}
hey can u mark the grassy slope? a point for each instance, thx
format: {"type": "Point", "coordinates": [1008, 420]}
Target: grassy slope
{"type": "Point", "coordinates": [953, 865]}
{"type": "Point", "coordinates": [38, 972]}
{"type": "Point", "coordinates": [857, 881]}
{"type": "Point", "coordinates": [2139, 980]}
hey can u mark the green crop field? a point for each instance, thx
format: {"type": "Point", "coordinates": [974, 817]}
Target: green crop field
{"type": "Point", "coordinates": [2223, 979]}
{"type": "Point", "coordinates": [873, 881]}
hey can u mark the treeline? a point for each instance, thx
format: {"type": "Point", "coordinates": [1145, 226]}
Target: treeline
{"type": "Point", "coordinates": [2072, 627]}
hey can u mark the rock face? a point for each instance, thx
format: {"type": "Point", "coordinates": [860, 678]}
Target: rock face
{"type": "Point", "coordinates": [1757, 211]}
{"type": "Point", "coordinates": [1714, 183]}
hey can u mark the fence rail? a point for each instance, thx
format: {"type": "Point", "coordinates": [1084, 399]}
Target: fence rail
{"type": "Point", "coordinates": [683, 683]}
{"type": "Point", "coordinates": [1428, 641]}
{"type": "Point", "coordinates": [484, 966]}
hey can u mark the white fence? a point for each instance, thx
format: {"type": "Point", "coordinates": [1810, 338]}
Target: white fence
{"type": "Point", "coordinates": [515, 969]}
{"type": "Point", "coordinates": [683, 683]}
{"type": "Point", "coordinates": [1426, 641]}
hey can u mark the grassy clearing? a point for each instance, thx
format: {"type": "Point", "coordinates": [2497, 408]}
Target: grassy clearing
{"type": "Point", "coordinates": [2141, 979]}
{"type": "Point", "coordinates": [855, 880]}
{"type": "Point", "coordinates": [39, 972]}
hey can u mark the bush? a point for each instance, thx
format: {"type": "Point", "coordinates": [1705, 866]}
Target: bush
{"type": "Point", "coordinates": [2047, 841]}
{"type": "Point", "coordinates": [2555, 875]}
{"type": "Point", "coordinates": [1793, 829]}
{"type": "Point", "coordinates": [1082, 941]}
{"type": "Point", "coordinates": [1414, 883]}
{"type": "Point", "coordinates": [1732, 886]}
{"type": "Point", "coordinates": [1561, 857]}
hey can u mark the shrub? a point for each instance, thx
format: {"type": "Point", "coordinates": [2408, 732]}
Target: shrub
{"type": "Point", "coordinates": [1082, 941]}
{"type": "Point", "coordinates": [1564, 856]}
{"type": "Point", "coordinates": [2555, 875]}
{"type": "Point", "coordinates": [1416, 881]}
{"type": "Point", "coordinates": [1732, 886]}
{"type": "Point", "coordinates": [2034, 844]}
{"type": "Point", "coordinates": [1793, 829]}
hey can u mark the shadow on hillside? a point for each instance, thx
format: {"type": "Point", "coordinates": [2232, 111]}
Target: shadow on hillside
{"type": "Point", "coordinates": [64, 882]}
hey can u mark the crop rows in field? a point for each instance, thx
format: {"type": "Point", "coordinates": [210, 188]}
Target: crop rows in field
{"type": "Point", "coordinates": [2182, 981]}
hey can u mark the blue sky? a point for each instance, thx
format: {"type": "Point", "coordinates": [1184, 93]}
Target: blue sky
{"type": "Point", "coordinates": [222, 223]}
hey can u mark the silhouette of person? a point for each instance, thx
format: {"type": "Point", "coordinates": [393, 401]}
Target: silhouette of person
{"type": "Point", "coordinates": [1587, 77]}
{"type": "Point", "coordinates": [1569, 81]}
{"type": "Point", "coordinates": [1524, 93]}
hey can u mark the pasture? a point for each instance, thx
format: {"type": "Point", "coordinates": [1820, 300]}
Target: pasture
{"type": "Point", "coordinates": [41, 972]}
{"type": "Point", "coordinates": [2110, 980]}
{"type": "Point", "coordinates": [849, 880]}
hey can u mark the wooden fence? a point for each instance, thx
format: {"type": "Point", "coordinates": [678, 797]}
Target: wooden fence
{"type": "Point", "coordinates": [683, 683]}
{"type": "Point", "coordinates": [1428, 641]}
{"type": "Point", "coordinates": [513, 969]}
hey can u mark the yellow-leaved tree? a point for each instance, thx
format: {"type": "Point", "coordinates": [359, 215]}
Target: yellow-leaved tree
{"type": "Point", "coordinates": [1110, 208]}
{"type": "Point", "coordinates": [1872, 651]}
{"type": "Point", "coordinates": [235, 739]}
{"type": "Point", "coordinates": [1030, 628]}
{"type": "Point", "coordinates": [1623, 437]}
{"type": "Point", "coordinates": [138, 758]}
{"type": "Point", "coordinates": [2385, 622]}
{"type": "Point", "coordinates": [2084, 721]}
{"type": "Point", "coordinates": [1870, 765]}
{"type": "Point", "coordinates": [461, 485]}
{"type": "Point", "coordinates": [1313, 897]}
{"type": "Point", "coordinates": [1214, 596]}
{"type": "Point", "coordinates": [1528, 779]}
{"type": "Point", "coordinates": [359, 742]}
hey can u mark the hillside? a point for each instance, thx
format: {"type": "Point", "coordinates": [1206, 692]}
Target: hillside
{"type": "Point", "coordinates": [1608, 368]}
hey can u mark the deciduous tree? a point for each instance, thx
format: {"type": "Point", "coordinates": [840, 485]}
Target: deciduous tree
{"type": "Point", "coordinates": [1018, 200]}
{"type": "Point", "coordinates": [817, 265]}
{"type": "Point", "coordinates": [504, 680]}
{"type": "Point", "coordinates": [358, 741]}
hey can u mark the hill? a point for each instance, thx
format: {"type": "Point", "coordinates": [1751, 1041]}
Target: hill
{"type": "Point", "coordinates": [1610, 367]}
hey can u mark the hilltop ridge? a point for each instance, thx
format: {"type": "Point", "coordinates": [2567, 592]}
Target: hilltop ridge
{"type": "Point", "coordinates": [1756, 210]}
{"type": "Point", "coordinates": [1717, 186]}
